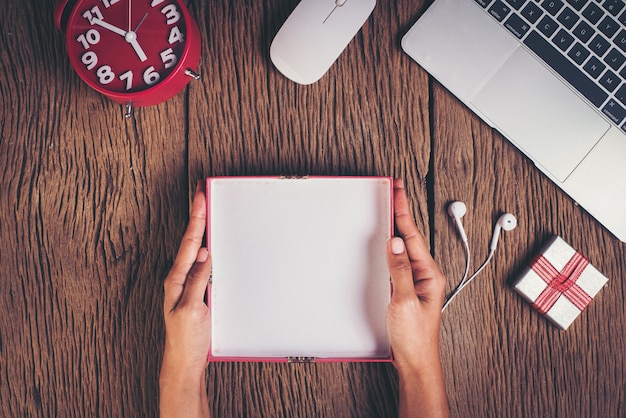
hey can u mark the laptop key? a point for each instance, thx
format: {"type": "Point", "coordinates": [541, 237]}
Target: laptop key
{"type": "Point", "coordinates": [555, 59]}
{"type": "Point", "coordinates": [583, 31]}
{"type": "Point", "coordinates": [614, 111]}
{"type": "Point", "coordinates": [610, 80]}
{"type": "Point", "coordinates": [594, 67]}
{"type": "Point", "coordinates": [615, 59]}
{"type": "Point", "coordinates": [532, 12]}
{"type": "Point", "coordinates": [578, 53]}
{"type": "Point", "coordinates": [620, 94]}
{"type": "Point", "coordinates": [599, 45]}
{"type": "Point", "coordinates": [547, 26]}
{"type": "Point", "coordinates": [563, 40]}
{"type": "Point", "coordinates": [516, 25]}
{"type": "Point", "coordinates": [593, 13]}
{"type": "Point", "coordinates": [568, 18]}
{"type": "Point", "coordinates": [499, 10]}
{"type": "Point", "coordinates": [613, 6]}
{"type": "Point", "coordinates": [608, 26]}
{"type": "Point", "coordinates": [552, 6]}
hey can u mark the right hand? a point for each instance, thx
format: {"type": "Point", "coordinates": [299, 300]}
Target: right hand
{"type": "Point", "coordinates": [414, 317]}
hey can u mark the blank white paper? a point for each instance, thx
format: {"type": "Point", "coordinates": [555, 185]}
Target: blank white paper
{"type": "Point", "coordinates": [299, 266]}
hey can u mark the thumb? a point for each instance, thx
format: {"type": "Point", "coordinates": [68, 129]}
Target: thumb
{"type": "Point", "coordinates": [400, 269]}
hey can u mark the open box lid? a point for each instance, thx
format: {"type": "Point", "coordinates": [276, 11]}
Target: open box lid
{"type": "Point", "coordinates": [299, 268]}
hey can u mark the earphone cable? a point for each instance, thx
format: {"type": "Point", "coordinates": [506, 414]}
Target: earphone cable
{"type": "Point", "coordinates": [468, 281]}
{"type": "Point", "coordinates": [467, 264]}
{"type": "Point", "coordinates": [464, 278]}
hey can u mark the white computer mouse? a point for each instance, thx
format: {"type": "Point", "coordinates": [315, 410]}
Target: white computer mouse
{"type": "Point", "coordinates": [315, 34]}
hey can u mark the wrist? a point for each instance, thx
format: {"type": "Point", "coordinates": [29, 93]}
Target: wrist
{"type": "Point", "coordinates": [182, 393]}
{"type": "Point", "coordinates": [181, 364]}
{"type": "Point", "coordinates": [423, 389]}
{"type": "Point", "coordinates": [179, 375]}
{"type": "Point", "coordinates": [426, 362]}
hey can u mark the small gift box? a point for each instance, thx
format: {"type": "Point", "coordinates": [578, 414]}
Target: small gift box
{"type": "Point", "coordinates": [560, 282]}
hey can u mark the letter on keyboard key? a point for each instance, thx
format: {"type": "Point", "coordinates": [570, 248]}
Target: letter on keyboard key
{"type": "Point", "coordinates": [565, 68]}
{"type": "Point", "coordinates": [593, 13]}
{"type": "Point", "coordinates": [615, 59]}
{"type": "Point", "coordinates": [547, 26]}
{"type": "Point", "coordinates": [594, 67]}
{"type": "Point", "coordinates": [610, 80]}
{"type": "Point", "coordinates": [552, 6]}
{"type": "Point", "coordinates": [568, 18]}
{"type": "Point", "coordinates": [532, 12]}
{"type": "Point", "coordinates": [599, 45]}
{"type": "Point", "coordinates": [578, 53]}
{"type": "Point", "coordinates": [563, 40]}
{"type": "Point", "coordinates": [608, 26]}
{"type": "Point", "coordinates": [583, 31]}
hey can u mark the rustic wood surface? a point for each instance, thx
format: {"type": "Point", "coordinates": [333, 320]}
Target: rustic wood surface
{"type": "Point", "coordinates": [92, 207]}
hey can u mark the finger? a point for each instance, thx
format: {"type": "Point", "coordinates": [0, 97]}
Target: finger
{"type": "Point", "coordinates": [198, 278]}
{"type": "Point", "coordinates": [188, 251]}
{"type": "Point", "coordinates": [192, 239]}
{"type": "Point", "coordinates": [428, 279]}
{"type": "Point", "coordinates": [400, 269]}
{"type": "Point", "coordinates": [414, 240]}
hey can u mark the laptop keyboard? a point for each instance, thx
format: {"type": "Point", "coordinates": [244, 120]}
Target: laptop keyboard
{"type": "Point", "coordinates": [582, 40]}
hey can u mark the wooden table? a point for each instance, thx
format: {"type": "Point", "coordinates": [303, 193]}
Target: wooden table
{"type": "Point", "coordinates": [93, 206]}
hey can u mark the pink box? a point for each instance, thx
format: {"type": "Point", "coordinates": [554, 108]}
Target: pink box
{"type": "Point", "coordinates": [299, 268]}
{"type": "Point", "coordinates": [560, 282]}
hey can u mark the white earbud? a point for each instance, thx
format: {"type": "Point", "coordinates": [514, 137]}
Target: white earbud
{"type": "Point", "coordinates": [456, 210]}
{"type": "Point", "coordinates": [507, 222]}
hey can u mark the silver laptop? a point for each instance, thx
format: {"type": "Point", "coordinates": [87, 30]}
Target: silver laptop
{"type": "Point", "coordinates": [550, 76]}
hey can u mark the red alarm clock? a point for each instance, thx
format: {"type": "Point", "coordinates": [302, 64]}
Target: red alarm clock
{"type": "Point", "coordinates": [136, 52]}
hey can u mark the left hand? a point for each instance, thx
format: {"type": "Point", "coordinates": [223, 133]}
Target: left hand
{"type": "Point", "coordinates": [187, 317]}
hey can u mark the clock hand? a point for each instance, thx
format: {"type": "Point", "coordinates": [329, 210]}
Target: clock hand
{"type": "Point", "coordinates": [131, 38]}
{"type": "Point", "coordinates": [108, 26]}
{"type": "Point", "coordinates": [130, 14]}
{"type": "Point", "coordinates": [140, 22]}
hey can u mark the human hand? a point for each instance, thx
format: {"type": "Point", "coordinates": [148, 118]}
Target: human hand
{"type": "Point", "coordinates": [414, 316]}
{"type": "Point", "coordinates": [187, 322]}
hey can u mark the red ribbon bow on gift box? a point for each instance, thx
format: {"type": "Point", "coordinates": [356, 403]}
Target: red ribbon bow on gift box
{"type": "Point", "coordinates": [561, 282]}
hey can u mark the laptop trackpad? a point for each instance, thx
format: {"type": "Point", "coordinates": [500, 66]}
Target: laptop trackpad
{"type": "Point", "coordinates": [555, 130]}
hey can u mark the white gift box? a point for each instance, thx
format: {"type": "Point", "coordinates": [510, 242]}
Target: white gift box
{"type": "Point", "coordinates": [560, 282]}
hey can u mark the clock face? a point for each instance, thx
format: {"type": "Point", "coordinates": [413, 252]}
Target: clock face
{"type": "Point", "coordinates": [126, 46]}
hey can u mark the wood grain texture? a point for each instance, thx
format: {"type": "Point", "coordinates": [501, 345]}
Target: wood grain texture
{"type": "Point", "coordinates": [93, 207]}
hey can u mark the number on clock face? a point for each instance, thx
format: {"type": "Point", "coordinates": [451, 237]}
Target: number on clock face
{"type": "Point", "coordinates": [125, 53]}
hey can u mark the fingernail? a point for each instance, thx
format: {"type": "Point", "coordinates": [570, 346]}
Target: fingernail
{"type": "Point", "coordinates": [203, 255]}
{"type": "Point", "coordinates": [397, 245]}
